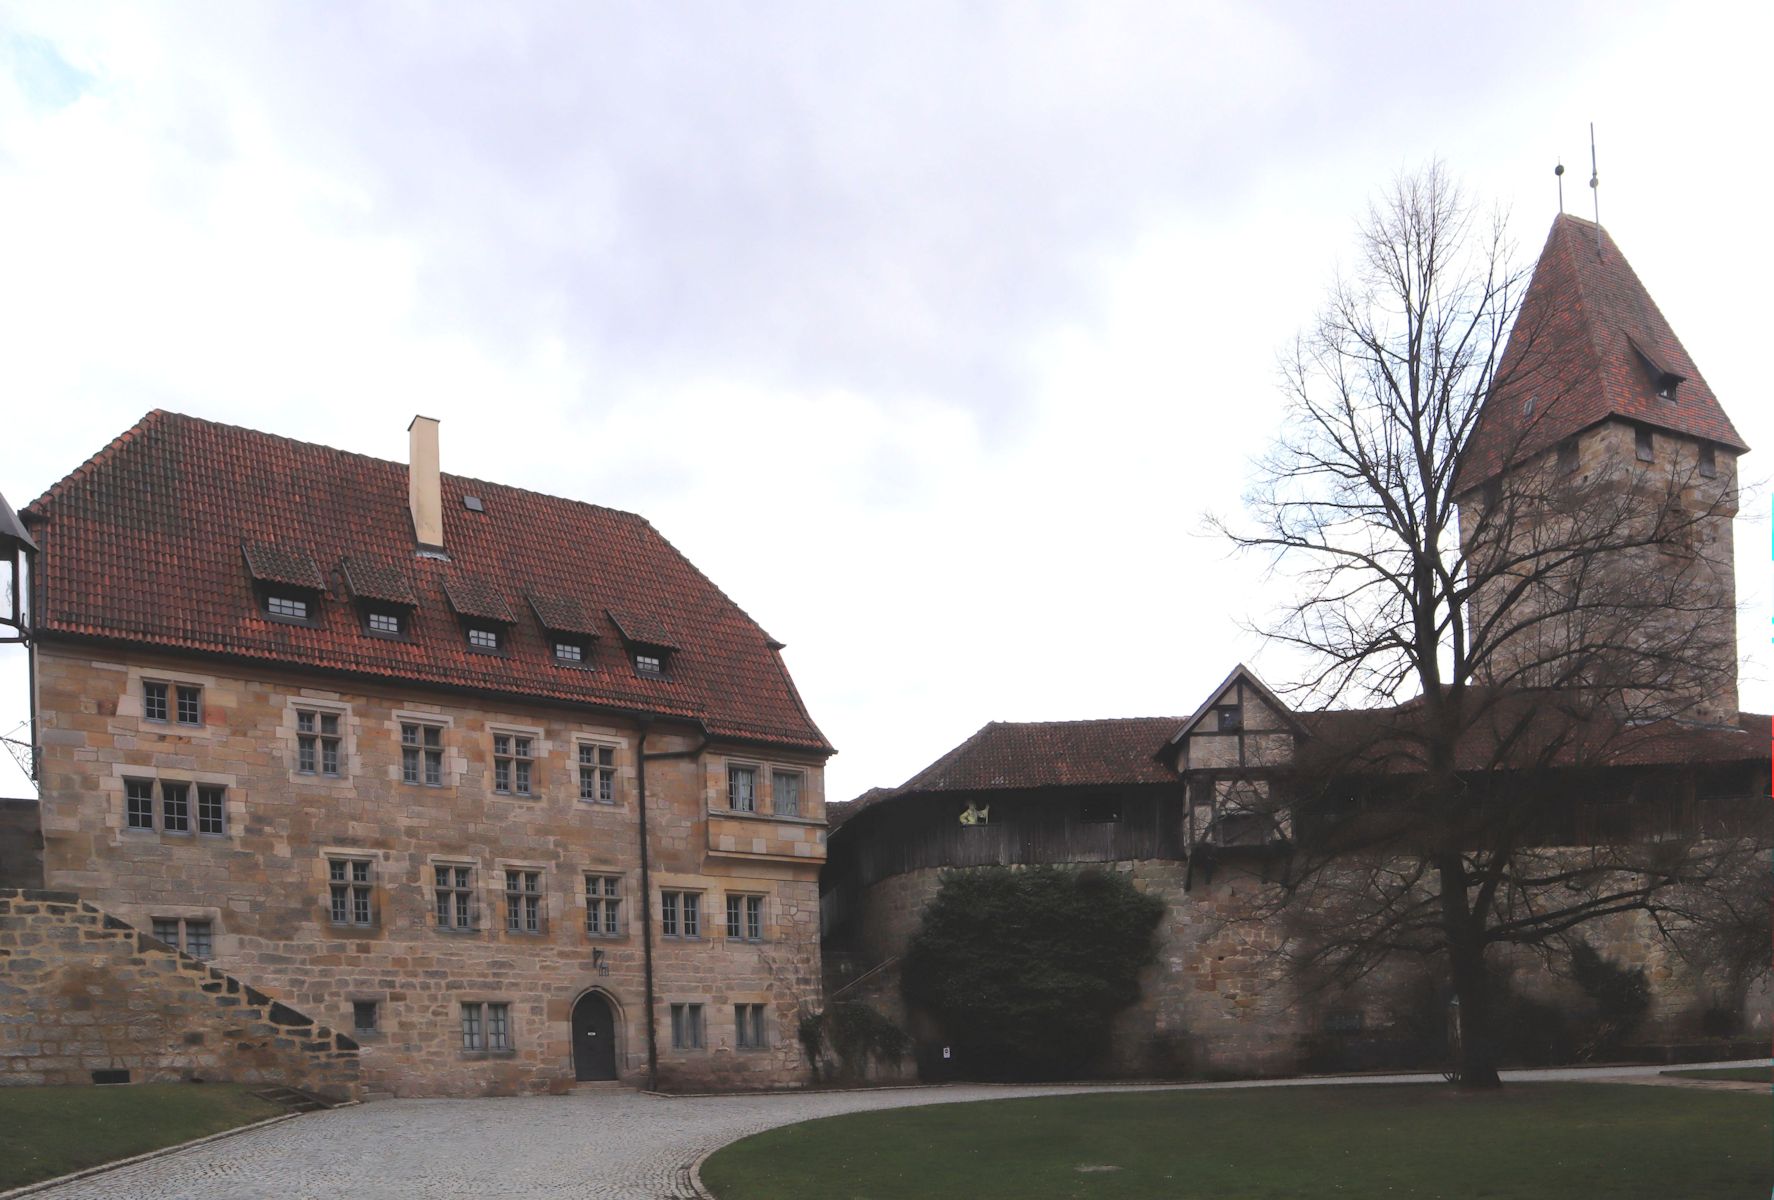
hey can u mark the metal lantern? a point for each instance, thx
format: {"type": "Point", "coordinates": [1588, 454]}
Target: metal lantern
{"type": "Point", "coordinates": [15, 547]}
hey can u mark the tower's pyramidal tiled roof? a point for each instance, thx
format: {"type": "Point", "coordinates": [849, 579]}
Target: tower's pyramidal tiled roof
{"type": "Point", "coordinates": [1589, 344]}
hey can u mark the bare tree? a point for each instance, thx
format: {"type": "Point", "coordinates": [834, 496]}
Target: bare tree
{"type": "Point", "coordinates": [1523, 644]}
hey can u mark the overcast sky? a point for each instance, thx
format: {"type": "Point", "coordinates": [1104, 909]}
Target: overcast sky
{"type": "Point", "coordinates": [930, 332]}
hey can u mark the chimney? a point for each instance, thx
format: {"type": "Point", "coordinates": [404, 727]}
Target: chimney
{"type": "Point", "coordinates": [424, 492]}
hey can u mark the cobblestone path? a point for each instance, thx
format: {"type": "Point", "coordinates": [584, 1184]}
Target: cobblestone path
{"type": "Point", "coordinates": [589, 1144]}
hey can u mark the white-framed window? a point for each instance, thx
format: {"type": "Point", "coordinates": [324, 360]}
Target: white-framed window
{"type": "Point", "coordinates": [317, 742]}
{"type": "Point", "coordinates": [686, 1027]}
{"type": "Point", "coordinates": [513, 764]}
{"type": "Point", "coordinates": [603, 905]}
{"type": "Point", "coordinates": [351, 891]}
{"type": "Point", "coordinates": [597, 773]}
{"type": "Point", "coordinates": [571, 650]}
{"type": "Point", "coordinates": [290, 608]}
{"type": "Point", "coordinates": [785, 792]}
{"type": "Point", "coordinates": [680, 914]}
{"type": "Point", "coordinates": [524, 910]}
{"type": "Point", "coordinates": [483, 637]}
{"type": "Point", "coordinates": [748, 1027]}
{"type": "Point", "coordinates": [386, 622]}
{"type": "Point", "coordinates": [421, 753]}
{"type": "Point", "coordinates": [650, 666]}
{"type": "Point", "coordinates": [745, 918]}
{"type": "Point", "coordinates": [486, 1025]}
{"type": "Point", "coordinates": [194, 935]}
{"type": "Point", "coordinates": [742, 788]}
{"type": "Point", "coordinates": [452, 886]}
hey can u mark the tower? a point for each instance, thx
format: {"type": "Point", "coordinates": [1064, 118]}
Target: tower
{"type": "Point", "coordinates": [1596, 492]}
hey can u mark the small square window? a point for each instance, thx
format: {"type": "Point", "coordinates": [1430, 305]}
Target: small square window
{"type": "Point", "coordinates": [570, 652]}
{"type": "Point", "coordinates": [650, 665]}
{"type": "Point", "coordinates": [482, 638]}
{"type": "Point", "coordinates": [1231, 718]}
{"type": "Point", "coordinates": [199, 942]}
{"type": "Point", "coordinates": [167, 930]}
{"type": "Point", "coordinates": [364, 1016]}
{"type": "Point", "coordinates": [291, 608]}
{"type": "Point", "coordinates": [386, 621]}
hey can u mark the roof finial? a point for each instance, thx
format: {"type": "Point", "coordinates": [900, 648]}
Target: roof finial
{"type": "Point", "coordinates": [1595, 188]}
{"type": "Point", "coordinates": [1560, 172]}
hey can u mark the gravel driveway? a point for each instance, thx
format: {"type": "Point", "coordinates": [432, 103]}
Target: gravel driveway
{"type": "Point", "coordinates": [589, 1144]}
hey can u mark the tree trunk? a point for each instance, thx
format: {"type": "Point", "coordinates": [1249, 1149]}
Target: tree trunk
{"type": "Point", "coordinates": [1478, 1050]}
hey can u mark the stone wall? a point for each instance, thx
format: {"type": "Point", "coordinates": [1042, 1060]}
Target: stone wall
{"type": "Point", "coordinates": [82, 992]}
{"type": "Point", "coordinates": [263, 882]}
{"type": "Point", "coordinates": [21, 844]}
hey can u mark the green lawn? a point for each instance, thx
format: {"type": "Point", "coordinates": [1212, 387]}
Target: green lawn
{"type": "Point", "coordinates": [1523, 1142]}
{"type": "Point", "coordinates": [48, 1131]}
{"type": "Point", "coordinates": [1761, 1074]}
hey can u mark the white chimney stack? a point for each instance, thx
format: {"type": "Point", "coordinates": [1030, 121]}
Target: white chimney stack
{"type": "Point", "coordinates": [424, 491]}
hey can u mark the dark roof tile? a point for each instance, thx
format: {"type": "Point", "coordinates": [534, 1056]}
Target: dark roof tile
{"type": "Point", "coordinates": [276, 562]}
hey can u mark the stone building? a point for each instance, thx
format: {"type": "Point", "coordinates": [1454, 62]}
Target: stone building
{"type": "Point", "coordinates": [1598, 415]}
{"type": "Point", "coordinates": [497, 782]}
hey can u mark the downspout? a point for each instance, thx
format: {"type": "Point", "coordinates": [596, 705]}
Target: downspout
{"type": "Point", "coordinates": [641, 760]}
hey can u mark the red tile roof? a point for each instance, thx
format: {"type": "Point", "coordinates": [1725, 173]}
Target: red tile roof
{"type": "Point", "coordinates": [1583, 349]}
{"type": "Point", "coordinates": [142, 543]}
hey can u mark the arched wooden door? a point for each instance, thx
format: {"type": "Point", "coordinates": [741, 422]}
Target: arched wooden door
{"type": "Point", "coordinates": [594, 1038]}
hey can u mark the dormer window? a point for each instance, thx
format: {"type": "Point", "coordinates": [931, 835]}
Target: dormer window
{"type": "Point", "coordinates": [569, 652]}
{"type": "Point", "coordinates": [480, 606]}
{"type": "Point", "coordinates": [567, 626]}
{"type": "Point", "coordinates": [383, 593]}
{"type": "Point", "coordinates": [650, 665]}
{"type": "Point", "coordinates": [649, 643]}
{"type": "Point", "coordinates": [483, 637]}
{"type": "Point", "coordinates": [1663, 380]}
{"type": "Point", "coordinates": [385, 621]}
{"type": "Point", "coordinates": [289, 608]}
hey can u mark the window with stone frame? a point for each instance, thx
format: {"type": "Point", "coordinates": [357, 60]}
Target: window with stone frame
{"type": "Point", "coordinates": [212, 809]}
{"type": "Point", "coordinates": [742, 788]}
{"type": "Point", "coordinates": [175, 807]}
{"type": "Point", "coordinates": [597, 773]}
{"type": "Point", "coordinates": [421, 753]}
{"type": "Point", "coordinates": [680, 914]}
{"type": "Point", "coordinates": [194, 935]}
{"type": "Point", "coordinates": [486, 1026]}
{"type": "Point", "coordinates": [317, 742]}
{"type": "Point", "coordinates": [524, 910]}
{"type": "Point", "coordinates": [453, 893]}
{"type": "Point", "coordinates": [138, 803]}
{"type": "Point", "coordinates": [748, 1027]}
{"type": "Point", "coordinates": [603, 905]}
{"type": "Point", "coordinates": [366, 1016]}
{"type": "Point", "coordinates": [686, 1027]}
{"type": "Point", "coordinates": [351, 891]}
{"type": "Point", "coordinates": [154, 695]}
{"type": "Point", "coordinates": [745, 918]}
{"type": "Point", "coordinates": [513, 764]}
{"type": "Point", "coordinates": [190, 704]}
{"type": "Point", "coordinates": [785, 793]}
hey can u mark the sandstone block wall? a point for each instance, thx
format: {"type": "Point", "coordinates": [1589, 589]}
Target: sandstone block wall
{"type": "Point", "coordinates": [81, 991]}
{"type": "Point", "coordinates": [263, 883]}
